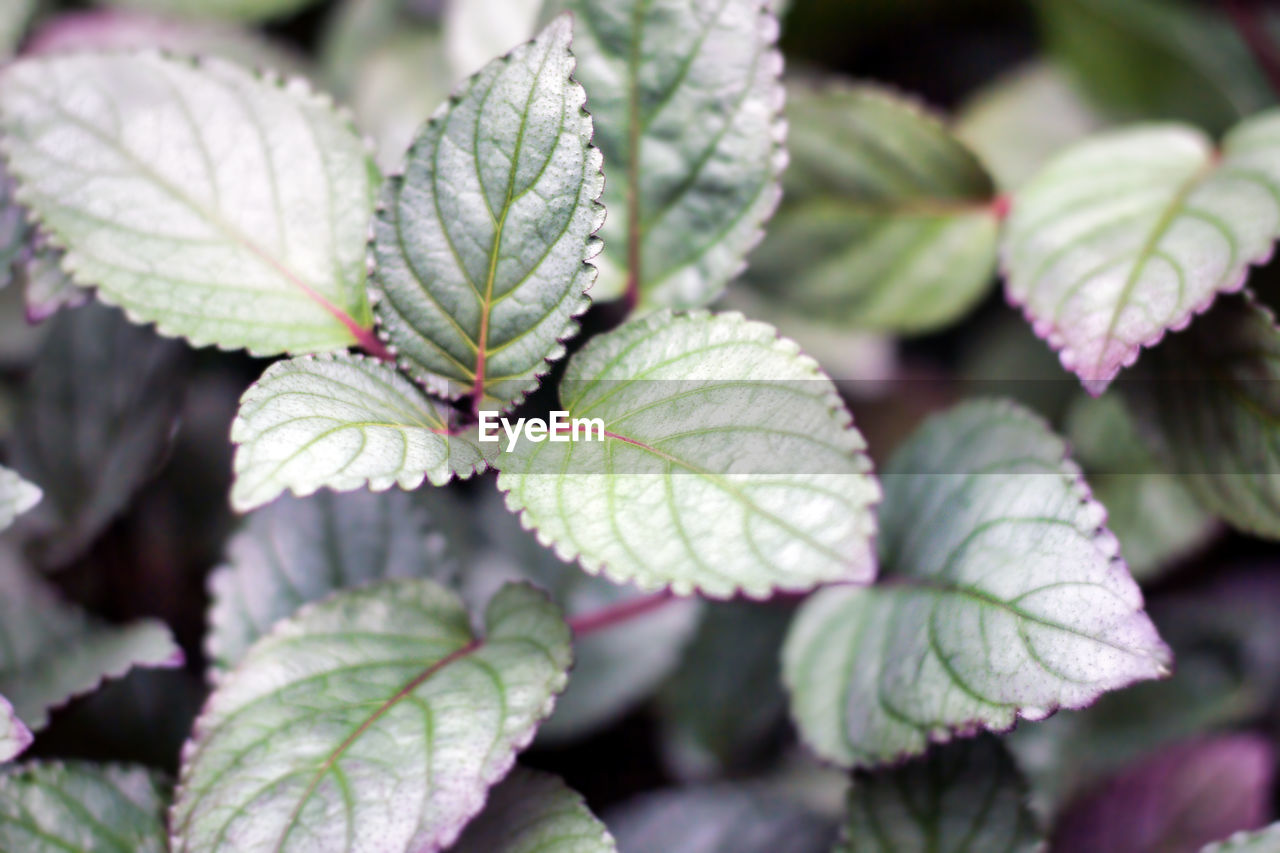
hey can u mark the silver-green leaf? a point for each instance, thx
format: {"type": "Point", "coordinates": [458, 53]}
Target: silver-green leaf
{"type": "Point", "coordinates": [298, 550]}
{"type": "Point", "coordinates": [1263, 841]}
{"type": "Point", "coordinates": [1007, 598]}
{"type": "Point", "coordinates": [728, 463]}
{"type": "Point", "coordinates": [16, 496]}
{"type": "Point", "coordinates": [51, 651]}
{"type": "Point", "coordinates": [373, 721]}
{"type": "Point", "coordinates": [1130, 234]}
{"type": "Point", "coordinates": [55, 807]}
{"type": "Point", "coordinates": [480, 249]}
{"type": "Point", "coordinates": [888, 222]}
{"type": "Point", "coordinates": [687, 100]}
{"type": "Point", "coordinates": [962, 797]}
{"type": "Point", "coordinates": [534, 812]}
{"type": "Point", "coordinates": [343, 422]}
{"type": "Point", "coordinates": [223, 207]}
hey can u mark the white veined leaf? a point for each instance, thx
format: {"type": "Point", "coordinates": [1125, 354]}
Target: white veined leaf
{"type": "Point", "coordinates": [888, 222]}
{"type": "Point", "coordinates": [1007, 598]}
{"type": "Point", "coordinates": [16, 496]}
{"type": "Point", "coordinates": [728, 463]}
{"type": "Point", "coordinates": [1263, 841]}
{"type": "Point", "coordinates": [94, 372]}
{"type": "Point", "coordinates": [965, 796]}
{"type": "Point", "coordinates": [373, 721]}
{"type": "Point", "coordinates": [51, 651]}
{"type": "Point", "coordinates": [687, 101]}
{"type": "Point", "coordinates": [1211, 406]}
{"type": "Point", "coordinates": [241, 10]}
{"type": "Point", "coordinates": [717, 819]}
{"type": "Point", "coordinates": [298, 550]}
{"type": "Point", "coordinates": [480, 248]}
{"type": "Point", "coordinates": [343, 422]}
{"type": "Point", "coordinates": [1128, 235]}
{"type": "Point", "coordinates": [534, 812]}
{"type": "Point", "coordinates": [54, 807]}
{"type": "Point", "coordinates": [223, 207]}
{"type": "Point", "coordinates": [475, 31]}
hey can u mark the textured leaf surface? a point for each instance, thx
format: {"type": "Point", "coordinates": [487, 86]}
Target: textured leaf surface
{"type": "Point", "coordinates": [1128, 235]}
{"type": "Point", "coordinates": [1007, 598]}
{"type": "Point", "coordinates": [686, 100]}
{"type": "Point", "coordinates": [1212, 406]}
{"type": "Point", "coordinates": [888, 221]}
{"type": "Point", "coordinates": [729, 463]}
{"type": "Point", "coordinates": [373, 721]}
{"type": "Point", "coordinates": [16, 496]}
{"type": "Point", "coordinates": [717, 819]}
{"type": "Point", "coordinates": [1156, 518]}
{"type": "Point", "coordinates": [962, 796]}
{"type": "Point", "coordinates": [1179, 799]}
{"type": "Point", "coordinates": [243, 10]}
{"type": "Point", "coordinates": [1263, 841]}
{"type": "Point", "coordinates": [95, 373]}
{"type": "Point", "coordinates": [343, 422]}
{"type": "Point", "coordinates": [298, 550]}
{"type": "Point", "coordinates": [533, 812]}
{"type": "Point", "coordinates": [480, 247]}
{"type": "Point", "coordinates": [51, 651]}
{"type": "Point", "coordinates": [55, 807]}
{"type": "Point", "coordinates": [221, 207]}
{"type": "Point", "coordinates": [615, 667]}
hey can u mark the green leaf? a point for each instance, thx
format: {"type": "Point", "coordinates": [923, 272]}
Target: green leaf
{"type": "Point", "coordinates": [222, 207]}
{"type": "Point", "coordinates": [478, 30]}
{"type": "Point", "coordinates": [51, 651]}
{"type": "Point", "coordinates": [533, 812]}
{"type": "Point", "coordinates": [1155, 517]}
{"type": "Point", "coordinates": [16, 496]}
{"type": "Point", "coordinates": [395, 87]}
{"type": "Point", "coordinates": [94, 372]}
{"type": "Point", "coordinates": [1020, 119]}
{"type": "Point", "coordinates": [1263, 841]}
{"type": "Point", "coordinates": [729, 463]}
{"type": "Point", "coordinates": [1007, 598]}
{"type": "Point", "coordinates": [717, 819]}
{"type": "Point", "coordinates": [376, 716]}
{"type": "Point", "coordinates": [239, 10]}
{"type": "Point", "coordinates": [296, 551]}
{"type": "Point", "coordinates": [965, 795]}
{"type": "Point", "coordinates": [14, 17]}
{"type": "Point", "coordinates": [1128, 235]}
{"type": "Point", "coordinates": [480, 247]}
{"type": "Point", "coordinates": [1156, 59]}
{"type": "Point", "coordinates": [888, 221]}
{"type": "Point", "coordinates": [1211, 408]}
{"type": "Point", "coordinates": [686, 99]}
{"type": "Point", "coordinates": [343, 422]}
{"type": "Point", "coordinates": [53, 807]}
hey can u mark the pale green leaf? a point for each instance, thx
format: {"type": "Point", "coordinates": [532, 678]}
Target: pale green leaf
{"type": "Point", "coordinates": [533, 812]}
{"type": "Point", "coordinates": [1128, 235]}
{"type": "Point", "coordinates": [717, 819]}
{"type": "Point", "coordinates": [1263, 841]}
{"type": "Point", "coordinates": [343, 422]}
{"type": "Point", "coordinates": [1006, 598]}
{"type": "Point", "coordinates": [729, 463]}
{"type": "Point", "coordinates": [962, 797]}
{"type": "Point", "coordinates": [55, 807]}
{"type": "Point", "coordinates": [614, 668]}
{"type": "Point", "coordinates": [475, 31]}
{"type": "Point", "coordinates": [373, 721]}
{"type": "Point", "coordinates": [222, 207]}
{"type": "Point", "coordinates": [480, 247]}
{"type": "Point", "coordinates": [299, 550]}
{"type": "Point", "coordinates": [1022, 118]}
{"type": "Point", "coordinates": [686, 99]}
{"type": "Point", "coordinates": [395, 88]}
{"type": "Point", "coordinates": [14, 17]}
{"type": "Point", "coordinates": [51, 651]}
{"type": "Point", "coordinates": [1212, 405]}
{"type": "Point", "coordinates": [94, 373]}
{"type": "Point", "coordinates": [1155, 517]}
{"type": "Point", "coordinates": [16, 496]}
{"type": "Point", "coordinates": [241, 10]}
{"type": "Point", "coordinates": [888, 221]}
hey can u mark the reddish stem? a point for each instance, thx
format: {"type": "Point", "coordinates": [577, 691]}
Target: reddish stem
{"type": "Point", "coordinates": [1253, 30]}
{"type": "Point", "coordinates": [368, 341]}
{"type": "Point", "coordinates": [607, 617]}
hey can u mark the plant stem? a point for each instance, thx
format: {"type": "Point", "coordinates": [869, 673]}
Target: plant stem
{"type": "Point", "coordinates": [368, 341]}
{"type": "Point", "coordinates": [615, 614]}
{"type": "Point", "coordinates": [1253, 30]}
